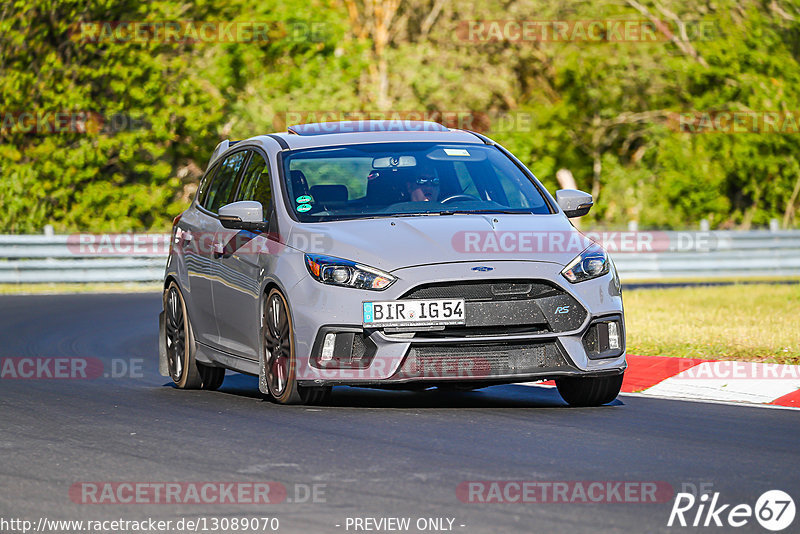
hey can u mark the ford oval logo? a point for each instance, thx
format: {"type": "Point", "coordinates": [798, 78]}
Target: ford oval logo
{"type": "Point", "coordinates": [483, 269]}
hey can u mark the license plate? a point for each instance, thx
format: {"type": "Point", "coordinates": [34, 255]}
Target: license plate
{"type": "Point", "coordinates": [399, 313]}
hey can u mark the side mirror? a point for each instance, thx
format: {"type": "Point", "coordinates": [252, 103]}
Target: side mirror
{"type": "Point", "coordinates": [243, 215]}
{"type": "Point", "coordinates": [574, 203]}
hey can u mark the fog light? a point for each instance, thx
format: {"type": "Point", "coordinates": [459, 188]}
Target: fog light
{"type": "Point", "coordinates": [327, 347]}
{"type": "Point", "coordinates": [613, 335]}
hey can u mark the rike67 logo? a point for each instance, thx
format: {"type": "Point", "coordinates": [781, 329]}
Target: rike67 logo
{"type": "Point", "coordinates": [774, 510]}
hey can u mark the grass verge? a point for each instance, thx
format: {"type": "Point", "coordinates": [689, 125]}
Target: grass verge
{"type": "Point", "coordinates": [753, 322]}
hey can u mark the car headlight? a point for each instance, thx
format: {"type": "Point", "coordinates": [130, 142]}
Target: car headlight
{"type": "Point", "coordinates": [591, 263]}
{"type": "Point", "coordinates": [346, 273]}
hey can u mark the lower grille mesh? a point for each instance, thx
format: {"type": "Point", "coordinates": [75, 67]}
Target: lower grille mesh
{"type": "Point", "coordinates": [476, 361]}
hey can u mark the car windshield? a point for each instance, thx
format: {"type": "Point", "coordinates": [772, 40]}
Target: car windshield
{"type": "Point", "coordinates": [406, 179]}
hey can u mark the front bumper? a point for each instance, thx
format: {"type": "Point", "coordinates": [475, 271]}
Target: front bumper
{"type": "Point", "coordinates": [509, 350]}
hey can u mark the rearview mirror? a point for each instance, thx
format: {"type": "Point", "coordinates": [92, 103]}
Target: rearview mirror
{"type": "Point", "coordinates": [574, 203]}
{"type": "Point", "coordinates": [243, 215]}
{"type": "Point", "coordinates": [393, 162]}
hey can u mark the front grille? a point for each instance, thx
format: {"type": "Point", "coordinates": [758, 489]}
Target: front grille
{"type": "Point", "coordinates": [498, 307]}
{"type": "Point", "coordinates": [478, 331]}
{"type": "Point", "coordinates": [481, 290]}
{"type": "Point", "coordinates": [482, 360]}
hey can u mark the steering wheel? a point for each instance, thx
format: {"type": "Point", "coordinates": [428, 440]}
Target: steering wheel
{"type": "Point", "coordinates": [459, 197]}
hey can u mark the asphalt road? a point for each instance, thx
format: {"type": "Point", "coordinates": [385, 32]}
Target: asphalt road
{"type": "Point", "coordinates": [370, 453]}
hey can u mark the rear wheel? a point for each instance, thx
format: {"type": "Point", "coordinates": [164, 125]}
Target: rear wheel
{"type": "Point", "coordinates": [179, 341]}
{"type": "Point", "coordinates": [589, 391]}
{"type": "Point", "coordinates": [279, 361]}
{"type": "Point", "coordinates": [212, 376]}
{"type": "Point", "coordinates": [185, 372]}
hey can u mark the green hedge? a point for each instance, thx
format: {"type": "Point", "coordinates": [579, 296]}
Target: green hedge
{"type": "Point", "coordinates": [604, 110]}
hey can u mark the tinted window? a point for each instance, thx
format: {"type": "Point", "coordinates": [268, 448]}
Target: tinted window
{"type": "Point", "coordinates": [391, 179]}
{"type": "Point", "coordinates": [255, 182]}
{"type": "Point", "coordinates": [222, 187]}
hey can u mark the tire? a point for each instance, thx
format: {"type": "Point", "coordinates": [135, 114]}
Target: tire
{"type": "Point", "coordinates": [589, 391]}
{"type": "Point", "coordinates": [315, 396]}
{"type": "Point", "coordinates": [212, 377]}
{"type": "Point", "coordinates": [179, 341]}
{"type": "Point", "coordinates": [279, 361]}
{"type": "Point", "coordinates": [185, 372]}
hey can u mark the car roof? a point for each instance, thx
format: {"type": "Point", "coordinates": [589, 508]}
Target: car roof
{"type": "Point", "coordinates": [326, 134]}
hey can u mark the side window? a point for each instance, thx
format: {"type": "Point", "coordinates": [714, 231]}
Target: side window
{"type": "Point", "coordinates": [202, 191]}
{"type": "Point", "coordinates": [222, 186]}
{"type": "Point", "coordinates": [255, 182]}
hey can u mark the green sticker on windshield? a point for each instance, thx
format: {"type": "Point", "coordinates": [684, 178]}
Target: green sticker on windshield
{"type": "Point", "coordinates": [303, 207]}
{"type": "Point", "coordinates": [305, 199]}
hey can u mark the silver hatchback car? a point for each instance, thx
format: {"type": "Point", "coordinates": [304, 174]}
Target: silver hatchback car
{"type": "Point", "coordinates": [386, 254]}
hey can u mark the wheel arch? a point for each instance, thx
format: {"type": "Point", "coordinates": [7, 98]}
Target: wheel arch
{"type": "Point", "coordinates": [168, 279]}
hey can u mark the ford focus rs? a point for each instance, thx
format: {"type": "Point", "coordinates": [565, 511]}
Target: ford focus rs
{"type": "Point", "coordinates": [383, 254]}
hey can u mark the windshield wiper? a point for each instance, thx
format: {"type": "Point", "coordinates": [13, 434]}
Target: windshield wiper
{"type": "Point", "coordinates": [417, 214]}
{"type": "Point", "coordinates": [470, 212]}
{"type": "Point", "coordinates": [429, 214]}
{"type": "Point", "coordinates": [391, 215]}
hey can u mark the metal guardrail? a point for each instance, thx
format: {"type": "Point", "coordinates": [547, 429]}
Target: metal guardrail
{"type": "Point", "coordinates": [714, 255]}
{"type": "Point", "coordinates": [72, 258]}
{"type": "Point", "coordinates": [141, 257]}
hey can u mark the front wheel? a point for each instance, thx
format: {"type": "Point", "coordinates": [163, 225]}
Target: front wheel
{"type": "Point", "coordinates": [279, 362]}
{"type": "Point", "coordinates": [589, 390]}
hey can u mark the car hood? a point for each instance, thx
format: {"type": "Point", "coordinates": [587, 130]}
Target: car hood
{"type": "Point", "coordinates": [399, 242]}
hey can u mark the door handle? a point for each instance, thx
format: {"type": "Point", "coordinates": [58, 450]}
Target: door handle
{"type": "Point", "coordinates": [219, 250]}
{"type": "Point", "coordinates": [183, 236]}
